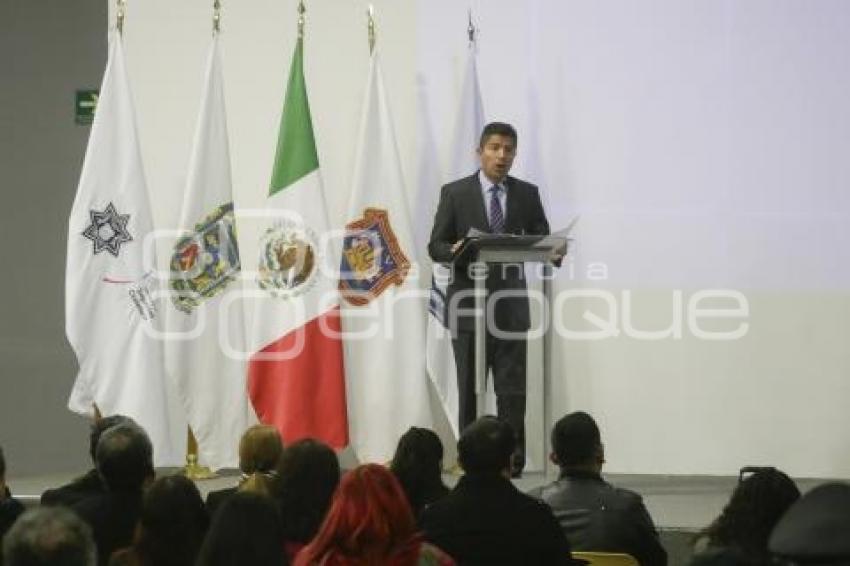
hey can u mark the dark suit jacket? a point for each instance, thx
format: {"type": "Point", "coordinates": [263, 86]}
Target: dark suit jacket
{"type": "Point", "coordinates": [112, 517]}
{"type": "Point", "coordinates": [86, 486]}
{"type": "Point", "coordinates": [596, 516]}
{"type": "Point", "coordinates": [486, 520]}
{"type": "Point", "coordinates": [462, 207]}
{"type": "Point", "coordinates": [10, 510]}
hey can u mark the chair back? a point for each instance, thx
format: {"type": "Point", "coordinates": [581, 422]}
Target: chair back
{"type": "Point", "coordinates": [606, 558]}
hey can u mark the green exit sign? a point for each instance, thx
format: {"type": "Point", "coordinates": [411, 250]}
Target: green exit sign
{"type": "Point", "coordinates": [86, 102]}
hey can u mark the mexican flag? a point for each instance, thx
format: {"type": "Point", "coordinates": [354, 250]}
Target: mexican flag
{"type": "Point", "coordinates": [295, 373]}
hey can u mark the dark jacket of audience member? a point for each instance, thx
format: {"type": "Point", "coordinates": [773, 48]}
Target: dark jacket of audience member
{"type": "Point", "coordinates": [307, 475]}
{"type": "Point", "coordinates": [10, 508]}
{"type": "Point", "coordinates": [245, 531]}
{"type": "Point", "coordinates": [739, 535]}
{"type": "Point", "coordinates": [418, 465]}
{"type": "Point", "coordinates": [485, 519]}
{"type": "Point", "coordinates": [260, 449]}
{"type": "Point", "coordinates": [49, 536]}
{"type": "Point", "coordinates": [89, 484]}
{"type": "Point", "coordinates": [171, 526]}
{"type": "Point", "coordinates": [369, 523]}
{"type": "Point", "coordinates": [595, 515]}
{"type": "Point", "coordinates": [125, 464]}
{"type": "Point", "coordinates": [815, 529]}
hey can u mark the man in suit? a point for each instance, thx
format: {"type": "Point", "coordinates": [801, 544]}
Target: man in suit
{"type": "Point", "coordinates": [490, 201]}
{"type": "Point", "coordinates": [595, 515]}
{"type": "Point", "coordinates": [89, 484]}
{"type": "Point", "coordinates": [125, 463]}
{"type": "Point", "coordinates": [485, 519]}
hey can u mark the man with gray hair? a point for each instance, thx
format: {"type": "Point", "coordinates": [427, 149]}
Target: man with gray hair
{"type": "Point", "coordinates": [49, 536]}
{"type": "Point", "coordinates": [125, 463]}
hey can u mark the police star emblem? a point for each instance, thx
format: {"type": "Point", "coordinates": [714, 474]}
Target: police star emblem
{"type": "Point", "coordinates": [108, 230]}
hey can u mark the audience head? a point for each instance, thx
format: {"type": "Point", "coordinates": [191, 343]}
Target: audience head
{"type": "Point", "coordinates": [307, 476]}
{"type": "Point", "coordinates": [816, 528]}
{"type": "Point", "coordinates": [124, 458]}
{"type": "Point", "coordinates": [245, 531]}
{"type": "Point", "coordinates": [259, 452]}
{"type": "Point", "coordinates": [418, 463]}
{"type": "Point", "coordinates": [49, 536]}
{"type": "Point", "coordinates": [172, 522]}
{"type": "Point", "coordinates": [260, 449]}
{"type": "Point", "coordinates": [753, 510]}
{"type": "Point", "coordinates": [576, 442]}
{"type": "Point", "coordinates": [369, 522]}
{"type": "Point", "coordinates": [486, 447]}
{"type": "Point", "coordinates": [101, 425]}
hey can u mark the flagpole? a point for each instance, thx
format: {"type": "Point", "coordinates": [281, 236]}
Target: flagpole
{"type": "Point", "coordinates": [370, 15]}
{"type": "Point", "coordinates": [193, 469]}
{"type": "Point", "coordinates": [216, 17]}
{"type": "Point", "coordinates": [119, 17]}
{"type": "Point", "coordinates": [301, 10]}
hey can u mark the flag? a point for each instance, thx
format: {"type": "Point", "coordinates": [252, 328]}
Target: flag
{"type": "Point", "coordinates": [203, 356]}
{"type": "Point", "coordinates": [112, 311]}
{"type": "Point", "coordinates": [383, 312]}
{"type": "Point", "coordinates": [295, 374]}
{"type": "Point", "coordinates": [462, 161]}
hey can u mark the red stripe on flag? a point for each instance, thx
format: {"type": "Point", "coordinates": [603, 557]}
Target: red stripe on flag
{"type": "Point", "coordinates": [303, 396]}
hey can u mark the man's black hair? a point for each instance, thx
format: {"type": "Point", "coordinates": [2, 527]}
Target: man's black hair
{"type": "Point", "coordinates": [2, 464]}
{"type": "Point", "coordinates": [497, 129]}
{"type": "Point", "coordinates": [575, 439]}
{"type": "Point", "coordinates": [486, 446]}
{"type": "Point", "coordinates": [125, 457]}
{"type": "Point", "coordinates": [100, 426]}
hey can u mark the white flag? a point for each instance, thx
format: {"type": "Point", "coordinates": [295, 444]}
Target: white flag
{"type": "Point", "coordinates": [384, 309]}
{"type": "Point", "coordinates": [462, 161]}
{"type": "Point", "coordinates": [112, 289]}
{"type": "Point", "coordinates": [205, 358]}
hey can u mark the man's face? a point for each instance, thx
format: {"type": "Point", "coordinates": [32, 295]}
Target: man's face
{"type": "Point", "coordinates": [497, 155]}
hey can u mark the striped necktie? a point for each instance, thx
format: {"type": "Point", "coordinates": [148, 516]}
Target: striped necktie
{"type": "Point", "coordinates": [497, 216]}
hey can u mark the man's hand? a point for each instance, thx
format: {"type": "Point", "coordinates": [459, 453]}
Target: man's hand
{"type": "Point", "coordinates": [456, 246]}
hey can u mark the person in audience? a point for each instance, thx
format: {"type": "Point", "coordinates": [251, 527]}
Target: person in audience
{"type": "Point", "coordinates": [49, 536]}
{"type": "Point", "coordinates": [307, 475]}
{"type": "Point", "coordinates": [171, 527]}
{"type": "Point", "coordinates": [260, 449]}
{"type": "Point", "coordinates": [369, 522]}
{"type": "Point", "coordinates": [595, 515]}
{"type": "Point", "coordinates": [418, 465]}
{"type": "Point", "coordinates": [88, 484]}
{"type": "Point", "coordinates": [815, 530]}
{"type": "Point", "coordinates": [124, 458]}
{"type": "Point", "coordinates": [10, 508]}
{"type": "Point", "coordinates": [245, 531]}
{"type": "Point", "coordinates": [739, 535]}
{"type": "Point", "coordinates": [485, 519]}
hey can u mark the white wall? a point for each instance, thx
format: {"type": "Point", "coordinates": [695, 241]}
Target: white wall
{"type": "Point", "coordinates": [703, 142]}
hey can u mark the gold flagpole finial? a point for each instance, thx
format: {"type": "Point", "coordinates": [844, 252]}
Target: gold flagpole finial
{"type": "Point", "coordinates": [301, 10]}
{"type": "Point", "coordinates": [470, 29]}
{"type": "Point", "coordinates": [370, 14]}
{"type": "Point", "coordinates": [119, 24]}
{"type": "Point", "coordinates": [216, 16]}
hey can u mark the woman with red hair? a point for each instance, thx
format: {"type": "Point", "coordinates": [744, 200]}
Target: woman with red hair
{"type": "Point", "coordinates": [370, 523]}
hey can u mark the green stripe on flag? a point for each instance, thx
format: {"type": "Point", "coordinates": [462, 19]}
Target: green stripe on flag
{"type": "Point", "coordinates": [296, 147]}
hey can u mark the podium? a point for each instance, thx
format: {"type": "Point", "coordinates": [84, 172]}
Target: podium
{"type": "Point", "coordinates": [475, 253]}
